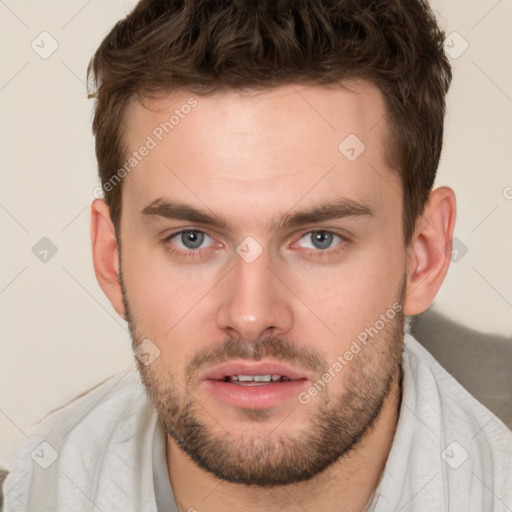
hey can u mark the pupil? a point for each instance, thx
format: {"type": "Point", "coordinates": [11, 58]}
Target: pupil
{"type": "Point", "coordinates": [322, 239]}
{"type": "Point", "coordinates": [192, 239]}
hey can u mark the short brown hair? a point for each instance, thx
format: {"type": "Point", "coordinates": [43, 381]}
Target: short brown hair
{"type": "Point", "coordinates": [206, 46]}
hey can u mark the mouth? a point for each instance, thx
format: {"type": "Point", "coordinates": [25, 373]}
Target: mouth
{"type": "Point", "coordinates": [255, 380]}
{"type": "Point", "coordinates": [254, 385]}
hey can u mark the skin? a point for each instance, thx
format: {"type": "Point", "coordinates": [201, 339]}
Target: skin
{"type": "Point", "coordinates": [251, 159]}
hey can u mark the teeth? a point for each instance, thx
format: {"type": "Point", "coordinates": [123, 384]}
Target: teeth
{"type": "Point", "coordinates": [257, 378]}
{"type": "Point", "coordinates": [262, 378]}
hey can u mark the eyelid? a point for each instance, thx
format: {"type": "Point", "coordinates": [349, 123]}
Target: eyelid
{"type": "Point", "coordinates": [342, 236]}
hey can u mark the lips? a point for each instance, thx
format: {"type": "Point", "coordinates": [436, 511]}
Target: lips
{"type": "Point", "coordinates": [254, 385]}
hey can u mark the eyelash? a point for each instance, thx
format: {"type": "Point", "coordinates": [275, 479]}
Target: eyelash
{"type": "Point", "coordinates": [193, 254]}
{"type": "Point", "coordinates": [197, 253]}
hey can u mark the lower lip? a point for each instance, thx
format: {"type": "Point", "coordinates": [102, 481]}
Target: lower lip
{"type": "Point", "coordinates": [255, 397]}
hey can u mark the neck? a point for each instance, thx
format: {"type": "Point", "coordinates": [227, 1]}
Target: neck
{"type": "Point", "coordinates": [350, 482]}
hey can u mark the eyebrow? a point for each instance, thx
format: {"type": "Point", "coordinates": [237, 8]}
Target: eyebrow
{"type": "Point", "coordinates": [333, 209]}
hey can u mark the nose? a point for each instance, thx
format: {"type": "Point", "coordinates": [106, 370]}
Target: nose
{"type": "Point", "coordinates": [254, 301]}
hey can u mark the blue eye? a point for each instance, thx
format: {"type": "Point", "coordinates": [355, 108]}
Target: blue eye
{"type": "Point", "coordinates": [319, 239]}
{"type": "Point", "coordinates": [190, 239]}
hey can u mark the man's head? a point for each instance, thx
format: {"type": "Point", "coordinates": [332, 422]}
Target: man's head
{"type": "Point", "coordinates": [277, 157]}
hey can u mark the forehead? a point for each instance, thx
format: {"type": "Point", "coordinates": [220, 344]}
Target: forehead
{"type": "Point", "coordinates": [259, 150]}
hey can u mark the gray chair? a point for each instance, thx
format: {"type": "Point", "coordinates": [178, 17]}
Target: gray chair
{"type": "Point", "coordinates": [481, 362]}
{"type": "Point", "coordinates": [3, 475]}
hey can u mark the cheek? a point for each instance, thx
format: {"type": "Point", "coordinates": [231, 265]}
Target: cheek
{"type": "Point", "coordinates": [160, 291]}
{"type": "Point", "coordinates": [352, 297]}
{"type": "Point", "coordinates": [167, 303]}
{"type": "Point", "coordinates": [153, 297]}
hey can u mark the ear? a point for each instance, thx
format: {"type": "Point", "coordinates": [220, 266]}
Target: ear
{"type": "Point", "coordinates": [429, 252]}
{"type": "Point", "coordinates": [105, 254]}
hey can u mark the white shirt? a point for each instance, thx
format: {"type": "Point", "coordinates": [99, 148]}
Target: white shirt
{"type": "Point", "coordinates": [107, 449]}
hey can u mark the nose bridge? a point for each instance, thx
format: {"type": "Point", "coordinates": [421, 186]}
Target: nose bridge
{"type": "Point", "coordinates": [254, 303]}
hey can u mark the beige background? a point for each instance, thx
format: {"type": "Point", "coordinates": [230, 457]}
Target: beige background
{"type": "Point", "coordinates": [58, 333]}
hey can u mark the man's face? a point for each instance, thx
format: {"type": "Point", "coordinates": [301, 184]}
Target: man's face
{"type": "Point", "coordinates": [295, 259]}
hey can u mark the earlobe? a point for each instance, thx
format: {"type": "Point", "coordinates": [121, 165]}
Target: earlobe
{"type": "Point", "coordinates": [105, 253]}
{"type": "Point", "coordinates": [429, 252]}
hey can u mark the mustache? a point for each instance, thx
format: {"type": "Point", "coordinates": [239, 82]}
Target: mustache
{"type": "Point", "coordinates": [270, 346]}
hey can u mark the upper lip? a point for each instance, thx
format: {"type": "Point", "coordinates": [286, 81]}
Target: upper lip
{"type": "Point", "coordinates": [230, 368]}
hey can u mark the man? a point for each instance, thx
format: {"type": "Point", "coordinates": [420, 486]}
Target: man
{"type": "Point", "coordinates": [268, 224]}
